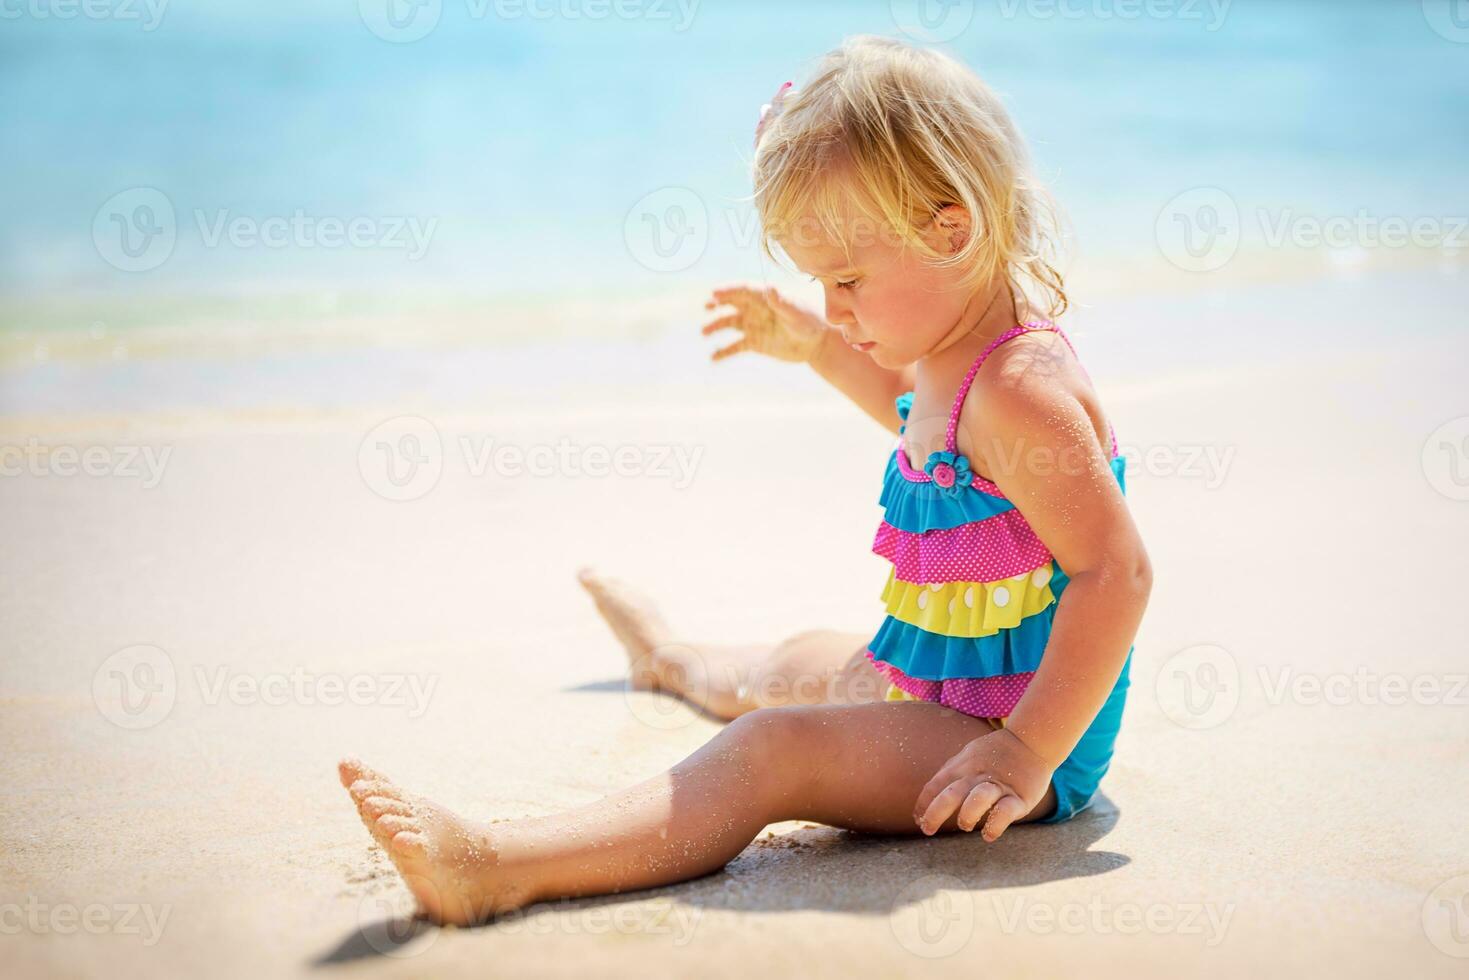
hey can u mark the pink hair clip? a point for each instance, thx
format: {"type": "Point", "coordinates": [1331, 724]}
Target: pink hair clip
{"type": "Point", "coordinates": [771, 109]}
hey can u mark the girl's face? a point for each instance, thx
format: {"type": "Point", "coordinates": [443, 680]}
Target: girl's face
{"type": "Point", "coordinates": [887, 300]}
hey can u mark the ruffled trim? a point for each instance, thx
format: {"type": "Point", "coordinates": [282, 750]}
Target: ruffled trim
{"type": "Point", "coordinates": [930, 656]}
{"type": "Point", "coordinates": [904, 405]}
{"type": "Point", "coordinates": [983, 697]}
{"type": "Point", "coordinates": [918, 507]}
{"type": "Point", "coordinates": [983, 551]}
{"type": "Point", "coordinates": [969, 609]}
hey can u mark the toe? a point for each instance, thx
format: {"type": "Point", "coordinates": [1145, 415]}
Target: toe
{"type": "Point", "coordinates": [353, 769]}
{"type": "Point", "coordinates": [392, 823]}
{"type": "Point", "coordinates": [410, 844]}
{"type": "Point", "coordinates": [377, 806]}
{"type": "Point", "coordinates": [365, 789]}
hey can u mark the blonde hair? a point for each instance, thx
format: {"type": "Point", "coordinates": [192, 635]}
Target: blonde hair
{"type": "Point", "coordinates": [901, 132]}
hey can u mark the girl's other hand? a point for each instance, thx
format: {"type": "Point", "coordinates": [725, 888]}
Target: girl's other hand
{"type": "Point", "coordinates": [768, 324]}
{"type": "Point", "coordinates": [995, 774]}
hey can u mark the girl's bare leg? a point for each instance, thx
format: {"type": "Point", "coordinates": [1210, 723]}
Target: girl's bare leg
{"type": "Point", "coordinates": [855, 766]}
{"type": "Point", "coordinates": [814, 667]}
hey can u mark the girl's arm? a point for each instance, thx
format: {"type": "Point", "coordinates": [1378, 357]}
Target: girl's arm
{"type": "Point", "coordinates": [1041, 450]}
{"type": "Point", "coordinates": [770, 324]}
{"type": "Point", "coordinates": [871, 387]}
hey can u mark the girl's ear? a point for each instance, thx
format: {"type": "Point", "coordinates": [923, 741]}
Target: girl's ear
{"type": "Point", "coordinates": [950, 228]}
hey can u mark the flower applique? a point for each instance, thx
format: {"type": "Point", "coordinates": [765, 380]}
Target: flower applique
{"type": "Point", "coordinates": [950, 472]}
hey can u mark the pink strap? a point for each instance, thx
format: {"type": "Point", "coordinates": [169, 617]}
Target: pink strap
{"type": "Point", "coordinates": [951, 433]}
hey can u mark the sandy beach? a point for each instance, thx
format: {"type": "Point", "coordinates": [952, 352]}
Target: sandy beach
{"type": "Point", "coordinates": [188, 649]}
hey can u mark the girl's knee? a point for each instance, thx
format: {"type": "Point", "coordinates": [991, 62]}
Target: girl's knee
{"type": "Point", "coordinates": [778, 736]}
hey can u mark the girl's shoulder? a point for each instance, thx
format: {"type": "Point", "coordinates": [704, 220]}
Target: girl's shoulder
{"type": "Point", "coordinates": [1031, 386]}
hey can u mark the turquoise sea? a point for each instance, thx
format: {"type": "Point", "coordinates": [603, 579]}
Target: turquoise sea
{"type": "Point", "coordinates": [209, 166]}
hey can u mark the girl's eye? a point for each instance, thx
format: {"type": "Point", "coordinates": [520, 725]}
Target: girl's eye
{"type": "Point", "coordinates": [847, 285]}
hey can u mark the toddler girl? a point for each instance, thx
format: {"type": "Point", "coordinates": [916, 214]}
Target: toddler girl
{"type": "Point", "coordinates": [992, 691]}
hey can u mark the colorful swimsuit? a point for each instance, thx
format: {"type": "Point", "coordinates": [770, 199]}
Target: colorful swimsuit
{"type": "Point", "coordinates": [972, 595]}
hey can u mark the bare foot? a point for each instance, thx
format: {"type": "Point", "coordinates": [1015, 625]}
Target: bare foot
{"type": "Point", "coordinates": [636, 623]}
{"type": "Point", "coordinates": [451, 865]}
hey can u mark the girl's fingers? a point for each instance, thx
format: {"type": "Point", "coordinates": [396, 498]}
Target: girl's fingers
{"type": "Point", "coordinates": [1009, 809]}
{"type": "Point", "coordinates": [723, 323]}
{"type": "Point", "coordinates": [743, 344]}
{"type": "Point", "coordinates": [933, 788]}
{"type": "Point", "coordinates": [977, 803]}
{"type": "Point", "coordinates": [942, 807]}
{"type": "Point", "coordinates": [730, 294]}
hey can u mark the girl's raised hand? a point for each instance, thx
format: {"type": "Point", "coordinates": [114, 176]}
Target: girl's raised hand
{"type": "Point", "coordinates": [995, 774]}
{"type": "Point", "coordinates": [768, 324]}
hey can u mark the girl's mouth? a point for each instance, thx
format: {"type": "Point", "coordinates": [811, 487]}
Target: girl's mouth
{"type": "Point", "coordinates": [868, 345]}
